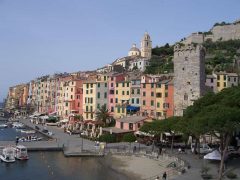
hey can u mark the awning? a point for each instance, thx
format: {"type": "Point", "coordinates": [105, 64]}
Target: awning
{"type": "Point", "coordinates": [53, 113]}
{"type": "Point", "coordinates": [44, 117]}
{"type": "Point", "coordinates": [143, 134]}
{"type": "Point", "coordinates": [133, 108]}
{"type": "Point", "coordinates": [64, 121]}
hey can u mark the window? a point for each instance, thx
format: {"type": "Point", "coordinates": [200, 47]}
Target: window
{"type": "Point", "coordinates": [105, 95]}
{"type": "Point", "coordinates": [235, 79]}
{"type": "Point", "coordinates": [128, 84]}
{"type": "Point", "coordinates": [132, 101]}
{"type": "Point", "coordinates": [71, 96]}
{"type": "Point", "coordinates": [144, 85]}
{"type": "Point", "coordinates": [111, 84]}
{"type": "Point", "coordinates": [137, 100]}
{"type": "Point", "coordinates": [105, 84]}
{"type": "Point", "coordinates": [130, 126]}
{"type": "Point", "coordinates": [98, 85]}
{"type": "Point", "coordinates": [123, 110]}
{"type": "Point", "coordinates": [105, 78]}
{"type": "Point", "coordinates": [159, 114]}
{"type": "Point", "coordinates": [121, 125]}
{"type": "Point", "coordinates": [116, 84]}
{"type": "Point", "coordinates": [166, 87]}
{"type": "Point", "coordinates": [144, 102]}
{"type": "Point", "coordinates": [158, 104]}
{"type": "Point", "coordinates": [185, 97]}
{"type": "Point", "coordinates": [127, 92]}
{"type": "Point", "coordinates": [158, 85]}
{"type": "Point", "coordinates": [91, 85]}
{"type": "Point", "coordinates": [118, 109]}
{"type": "Point", "coordinates": [152, 94]}
{"type": "Point", "coordinates": [144, 93]}
{"type": "Point", "coordinates": [98, 95]}
{"type": "Point", "coordinates": [86, 108]}
{"type": "Point", "coordinates": [152, 85]}
{"type": "Point", "coordinates": [218, 84]}
{"type": "Point", "coordinates": [138, 91]}
{"type": "Point", "coordinates": [71, 89]}
{"type": "Point", "coordinates": [78, 104]}
{"type": "Point", "coordinates": [116, 100]}
{"type": "Point", "coordinates": [224, 77]}
{"type": "Point", "coordinates": [218, 77]}
{"type": "Point", "coordinates": [112, 109]}
{"type": "Point", "coordinates": [132, 91]}
{"type": "Point", "coordinates": [166, 105]}
{"type": "Point", "coordinates": [166, 94]}
{"type": "Point", "coordinates": [91, 116]}
{"type": "Point", "coordinates": [123, 93]}
{"type": "Point", "coordinates": [87, 85]}
{"type": "Point", "coordinates": [158, 95]}
{"type": "Point", "coordinates": [211, 80]}
{"type": "Point", "coordinates": [116, 91]}
{"type": "Point", "coordinates": [66, 104]}
{"type": "Point", "coordinates": [225, 85]}
{"type": "Point", "coordinates": [91, 91]}
{"type": "Point", "coordinates": [123, 84]}
{"type": "Point", "coordinates": [111, 100]}
{"type": "Point", "coordinates": [152, 103]}
{"type": "Point", "coordinates": [86, 91]}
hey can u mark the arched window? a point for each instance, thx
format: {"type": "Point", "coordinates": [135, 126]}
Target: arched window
{"type": "Point", "coordinates": [185, 97]}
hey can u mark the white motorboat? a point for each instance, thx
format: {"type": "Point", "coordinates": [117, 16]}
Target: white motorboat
{"type": "Point", "coordinates": [18, 125]}
{"type": "Point", "coordinates": [8, 155]}
{"type": "Point", "coordinates": [30, 139]}
{"type": "Point", "coordinates": [21, 153]}
{"type": "Point", "coordinates": [3, 125]}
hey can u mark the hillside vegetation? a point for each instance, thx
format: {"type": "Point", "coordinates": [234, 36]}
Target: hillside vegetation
{"type": "Point", "coordinates": [220, 56]}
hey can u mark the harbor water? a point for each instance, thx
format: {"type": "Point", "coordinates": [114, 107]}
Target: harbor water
{"type": "Point", "coordinates": [55, 166]}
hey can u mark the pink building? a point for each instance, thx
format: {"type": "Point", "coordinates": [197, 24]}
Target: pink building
{"type": "Point", "coordinates": [113, 77]}
{"type": "Point", "coordinates": [131, 123]}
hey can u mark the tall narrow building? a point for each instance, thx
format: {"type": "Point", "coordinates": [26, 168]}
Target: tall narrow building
{"type": "Point", "coordinates": [189, 75]}
{"type": "Point", "coordinates": [146, 46]}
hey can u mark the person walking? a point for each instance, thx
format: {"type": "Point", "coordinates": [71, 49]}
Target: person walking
{"type": "Point", "coordinates": [164, 177]}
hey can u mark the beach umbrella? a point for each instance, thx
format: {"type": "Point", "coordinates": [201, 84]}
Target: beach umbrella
{"type": "Point", "coordinates": [100, 133]}
{"type": "Point", "coordinates": [215, 155]}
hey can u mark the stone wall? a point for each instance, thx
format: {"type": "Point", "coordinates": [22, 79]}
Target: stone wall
{"type": "Point", "coordinates": [189, 76]}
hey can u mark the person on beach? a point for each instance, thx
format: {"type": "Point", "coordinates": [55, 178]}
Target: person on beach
{"type": "Point", "coordinates": [164, 177]}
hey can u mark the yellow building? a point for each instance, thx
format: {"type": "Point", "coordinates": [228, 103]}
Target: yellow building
{"type": "Point", "coordinates": [89, 100]}
{"type": "Point", "coordinates": [225, 80]}
{"type": "Point", "coordinates": [122, 97]}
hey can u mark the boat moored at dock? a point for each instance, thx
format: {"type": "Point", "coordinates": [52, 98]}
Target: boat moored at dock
{"type": "Point", "coordinates": [21, 152]}
{"type": "Point", "coordinates": [8, 155]}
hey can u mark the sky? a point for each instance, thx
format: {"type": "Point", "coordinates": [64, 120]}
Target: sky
{"type": "Point", "coordinates": [50, 36]}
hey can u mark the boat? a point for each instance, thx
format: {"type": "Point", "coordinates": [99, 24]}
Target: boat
{"type": "Point", "coordinates": [3, 125]}
{"type": "Point", "coordinates": [18, 125]}
{"type": "Point", "coordinates": [8, 155]}
{"type": "Point", "coordinates": [30, 139]}
{"type": "Point", "coordinates": [28, 131]}
{"type": "Point", "coordinates": [21, 152]}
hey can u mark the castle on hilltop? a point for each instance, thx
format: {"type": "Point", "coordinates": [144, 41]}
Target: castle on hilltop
{"type": "Point", "coordinates": [219, 32]}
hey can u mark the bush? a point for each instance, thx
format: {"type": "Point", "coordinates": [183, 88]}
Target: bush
{"type": "Point", "coordinates": [108, 138]}
{"type": "Point", "coordinates": [231, 175]}
{"type": "Point", "coordinates": [129, 137]}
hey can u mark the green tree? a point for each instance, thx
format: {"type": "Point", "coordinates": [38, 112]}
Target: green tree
{"type": "Point", "coordinates": [108, 138]}
{"type": "Point", "coordinates": [129, 137]}
{"type": "Point", "coordinates": [103, 115]}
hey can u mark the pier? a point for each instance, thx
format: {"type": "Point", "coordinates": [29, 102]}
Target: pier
{"type": "Point", "coordinates": [71, 145]}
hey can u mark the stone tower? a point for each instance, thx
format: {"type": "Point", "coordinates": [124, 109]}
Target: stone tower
{"type": "Point", "coordinates": [146, 46]}
{"type": "Point", "coordinates": [189, 75]}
